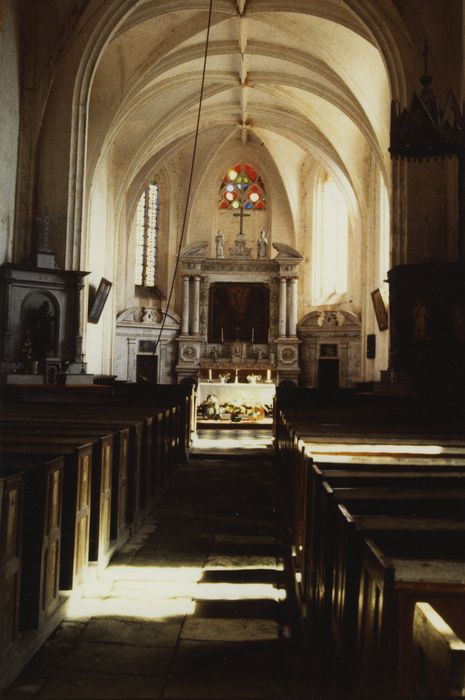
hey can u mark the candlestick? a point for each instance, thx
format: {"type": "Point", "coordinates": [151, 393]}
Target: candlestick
{"type": "Point", "coordinates": [268, 375]}
{"type": "Point", "coordinates": [222, 335]}
{"type": "Point", "coordinates": [253, 334]}
{"type": "Point", "coordinates": [209, 375]}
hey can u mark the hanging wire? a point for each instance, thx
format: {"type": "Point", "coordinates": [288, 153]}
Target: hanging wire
{"type": "Point", "coordinates": [194, 153]}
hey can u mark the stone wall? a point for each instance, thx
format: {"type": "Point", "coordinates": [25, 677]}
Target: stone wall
{"type": "Point", "coordinates": [9, 120]}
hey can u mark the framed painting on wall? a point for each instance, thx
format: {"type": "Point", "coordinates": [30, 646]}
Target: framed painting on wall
{"type": "Point", "coordinates": [238, 311]}
{"type": "Point", "coordinates": [380, 310]}
{"type": "Point", "coordinates": [96, 308]}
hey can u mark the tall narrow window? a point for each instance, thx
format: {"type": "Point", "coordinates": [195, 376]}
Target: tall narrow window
{"type": "Point", "coordinates": [331, 235]}
{"type": "Point", "coordinates": [146, 236]}
{"type": "Point", "coordinates": [242, 188]}
{"type": "Point", "coordinates": [384, 233]}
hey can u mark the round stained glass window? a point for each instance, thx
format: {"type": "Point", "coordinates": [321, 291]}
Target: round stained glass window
{"type": "Point", "coordinates": [242, 187]}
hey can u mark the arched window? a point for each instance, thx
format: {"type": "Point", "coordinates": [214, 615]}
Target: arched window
{"type": "Point", "coordinates": [331, 237]}
{"type": "Point", "coordinates": [242, 186]}
{"type": "Point", "coordinates": [146, 236]}
{"type": "Point", "coordinates": [384, 234]}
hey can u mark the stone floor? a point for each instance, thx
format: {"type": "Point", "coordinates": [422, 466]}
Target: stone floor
{"type": "Point", "coordinates": [196, 606]}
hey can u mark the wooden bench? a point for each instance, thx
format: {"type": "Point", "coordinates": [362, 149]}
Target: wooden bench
{"type": "Point", "coordinates": [76, 502]}
{"type": "Point", "coordinates": [426, 502]}
{"type": "Point", "coordinates": [129, 480]}
{"type": "Point", "coordinates": [345, 564]}
{"type": "Point", "coordinates": [390, 586]}
{"type": "Point", "coordinates": [101, 477]}
{"type": "Point", "coordinates": [41, 537]}
{"type": "Point", "coordinates": [438, 655]}
{"type": "Point", "coordinates": [11, 520]}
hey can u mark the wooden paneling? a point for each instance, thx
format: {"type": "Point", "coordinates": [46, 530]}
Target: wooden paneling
{"type": "Point", "coordinates": [11, 517]}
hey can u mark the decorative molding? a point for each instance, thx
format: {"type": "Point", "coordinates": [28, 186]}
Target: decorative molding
{"type": "Point", "coordinates": [286, 251]}
{"type": "Point", "coordinates": [333, 321]}
{"type": "Point", "coordinates": [151, 317]}
{"type": "Point", "coordinates": [194, 250]}
{"type": "Point", "coordinates": [233, 265]}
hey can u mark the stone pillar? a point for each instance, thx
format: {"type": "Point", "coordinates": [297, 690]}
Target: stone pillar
{"type": "Point", "coordinates": [185, 306]}
{"type": "Point", "coordinates": [196, 307]}
{"type": "Point", "coordinates": [282, 307]}
{"type": "Point", "coordinates": [293, 307]}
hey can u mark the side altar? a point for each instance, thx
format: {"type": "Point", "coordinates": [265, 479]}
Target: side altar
{"type": "Point", "coordinates": [239, 315]}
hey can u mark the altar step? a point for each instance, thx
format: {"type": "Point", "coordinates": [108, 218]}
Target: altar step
{"type": "Point", "coordinates": [263, 423]}
{"type": "Point", "coordinates": [233, 442]}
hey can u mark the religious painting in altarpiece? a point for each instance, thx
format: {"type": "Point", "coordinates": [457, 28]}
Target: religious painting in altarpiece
{"type": "Point", "coordinates": [238, 311]}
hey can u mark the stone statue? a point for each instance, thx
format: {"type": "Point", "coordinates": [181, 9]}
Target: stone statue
{"type": "Point", "coordinates": [420, 321]}
{"type": "Point", "coordinates": [26, 348]}
{"type": "Point", "coordinates": [262, 245]}
{"type": "Point", "coordinates": [219, 244]}
{"type": "Point", "coordinates": [43, 332]}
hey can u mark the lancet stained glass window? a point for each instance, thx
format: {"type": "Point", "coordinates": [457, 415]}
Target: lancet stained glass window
{"type": "Point", "coordinates": [242, 186]}
{"type": "Point", "coordinates": [331, 238]}
{"type": "Point", "coordinates": [146, 236]}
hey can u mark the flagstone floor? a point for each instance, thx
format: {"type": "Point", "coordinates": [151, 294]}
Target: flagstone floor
{"type": "Point", "coordinates": [197, 605]}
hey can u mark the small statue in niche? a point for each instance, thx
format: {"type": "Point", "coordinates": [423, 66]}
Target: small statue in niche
{"type": "Point", "coordinates": [219, 239]}
{"type": "Point", "coordinates": [420, 321]}
{"type": "Point", "coordinates": [262, 245]}
{"type": "Point", "coordinates": [43, 331]}
{"type": "Point", "coordinates": [26, 348]}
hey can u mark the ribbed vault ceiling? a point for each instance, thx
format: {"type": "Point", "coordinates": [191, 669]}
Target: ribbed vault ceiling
{"type": "Point", "coordinates": [308, 74]}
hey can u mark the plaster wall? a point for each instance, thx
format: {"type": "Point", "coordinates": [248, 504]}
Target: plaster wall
{"type": "Point", "coordinates": [100, 261]}
{"type": "Point", "coordinates": [9, 119]}
{"type": "Point", "coordinates": [205, 216]}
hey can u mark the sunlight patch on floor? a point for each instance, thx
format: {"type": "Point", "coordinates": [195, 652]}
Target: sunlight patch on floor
{"type": "Point", "coordinates": [232, 440]}
{"type": "Point", "coordinates": [161, 593]}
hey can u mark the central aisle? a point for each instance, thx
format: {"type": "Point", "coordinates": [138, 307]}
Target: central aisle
{"type": "Point", "coordinates": [196, 604]}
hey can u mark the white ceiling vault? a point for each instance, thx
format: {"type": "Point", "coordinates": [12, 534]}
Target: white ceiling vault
{"type": "Point", "coordinates": [282, 76]}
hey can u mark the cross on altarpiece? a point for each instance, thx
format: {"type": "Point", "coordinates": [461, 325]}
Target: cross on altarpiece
{"type": "Point", "coordinates": [241, 214]}
{"type": "Point", "coordinates": [46, 220]}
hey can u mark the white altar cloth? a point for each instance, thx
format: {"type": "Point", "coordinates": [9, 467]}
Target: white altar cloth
{"type": "Point", "coordinates": [247, 394]}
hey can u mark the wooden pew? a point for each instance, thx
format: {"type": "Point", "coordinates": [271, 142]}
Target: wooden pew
{"type": "Point", "coordinates": [345, 564]}
{"type": "Point", "coordinates": [101, 477]}
{"type": "Point", "coordinates": [438, 669]}
{"type": "Point", "coordinates": [11, 520]}
{"type": "Point", "coordinates": [427, 502]}
{"type": "Point", "coordinates": [41, 537]}
{"type": "Point", "coordinates": [390, 586]}
{"type": "Point", "coordinates": [399, 475]}
{"type": "Point", "coordinates": [76, 502]}
{"type": "Point", "coordinates": [165, 395]}
{"type": "Point", "coordinates": [129, 482]}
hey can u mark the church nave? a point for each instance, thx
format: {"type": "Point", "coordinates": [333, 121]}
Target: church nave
{"type": "Point", "coordinates": [196, 605]}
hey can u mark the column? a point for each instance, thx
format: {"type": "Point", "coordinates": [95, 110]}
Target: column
{"type": "Point", "coordinates": [185, 306]}
{"type": "Point", "coordinates": [196, 307]}
{"type": "Point", "coordinates": [282, 307]}
{"type": "Point", "coordinates": [293, 307]}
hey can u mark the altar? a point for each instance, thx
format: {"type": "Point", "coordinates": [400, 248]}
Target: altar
{"type": "Point", "coordinates": [247, 394]}
{"type": "Point", "coordinates": [239, 316]}
{"type": "Point", "coordinates": [236, 402]}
